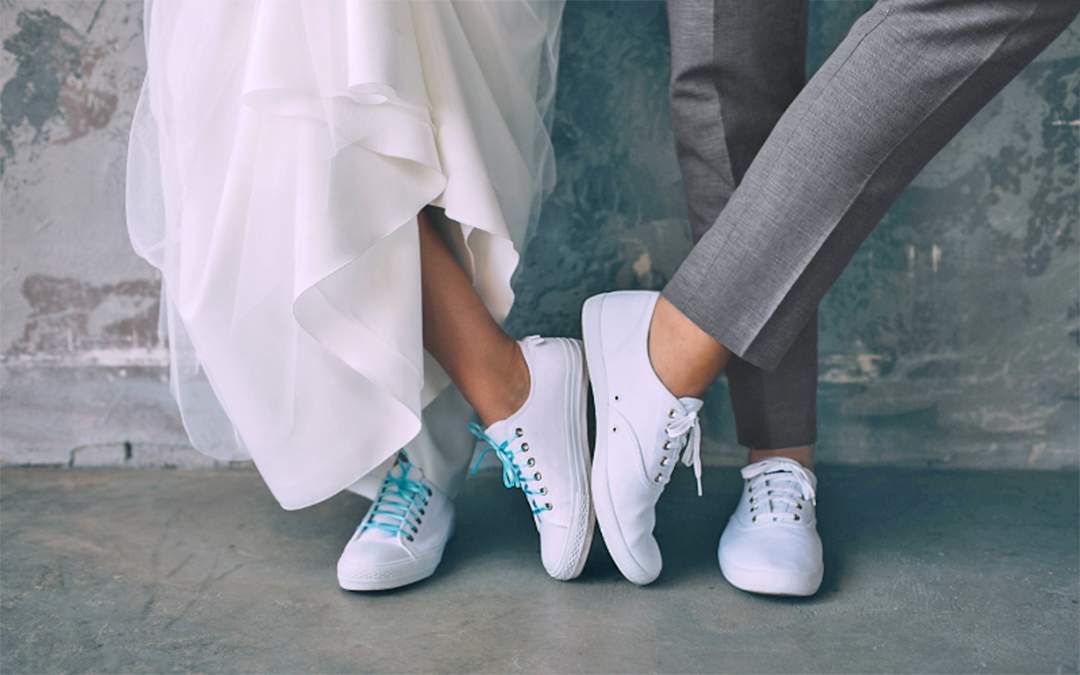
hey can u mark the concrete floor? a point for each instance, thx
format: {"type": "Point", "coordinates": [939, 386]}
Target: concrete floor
{"type": "Point", "coordinates": [162, 571]}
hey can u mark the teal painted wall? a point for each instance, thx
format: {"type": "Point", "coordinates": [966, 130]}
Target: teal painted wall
{"type": "Point", "coordinates": [953, 338]}
{"type": "Point", "coordinates": [954, 335]}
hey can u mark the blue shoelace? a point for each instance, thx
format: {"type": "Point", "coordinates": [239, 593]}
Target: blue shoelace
{"type": "Point", "coordinates": [400, 504]}
{"type": "Point", "coordinates": [513, 475]}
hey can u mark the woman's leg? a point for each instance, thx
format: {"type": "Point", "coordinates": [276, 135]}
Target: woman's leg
{"type": "Point", "coordinates": [543, 446]}
{"type": "Point", "coordinates": [484, 362]}
{"type": "Point", "coordinates": [490, 371]}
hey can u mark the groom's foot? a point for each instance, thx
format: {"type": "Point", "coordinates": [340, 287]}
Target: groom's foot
{"type": "Point", "coordinates": [544, 450]}
{"type": "Point", "coordinates": [401, 539]}
{"type": "Point", "coordinates": [641, 429]}
{"type": "Point", "coordinates": [771, 544]}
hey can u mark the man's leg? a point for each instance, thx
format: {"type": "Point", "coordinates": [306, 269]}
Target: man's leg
{"type": "Point", "coordinates": [729, 87]}
{"type": "Point", "coordinates": [735, 69]}
{"type": "Point", "coordinates": [907, 77]}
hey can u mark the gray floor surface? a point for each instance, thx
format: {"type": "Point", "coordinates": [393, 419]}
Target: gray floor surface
{"type": "Point", "coordinates": [164, 571]}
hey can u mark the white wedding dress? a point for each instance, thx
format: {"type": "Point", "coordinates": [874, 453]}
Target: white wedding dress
{"type": "Point", "coordinates": [279, 155]}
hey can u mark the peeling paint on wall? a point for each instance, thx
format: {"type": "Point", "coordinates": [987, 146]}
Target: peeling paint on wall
{"type": "Point", "coordinates": [79, 323]}
{"type": "Point", "coordinates": [50, 92]}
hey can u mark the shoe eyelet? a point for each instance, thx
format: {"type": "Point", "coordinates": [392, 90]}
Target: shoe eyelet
{"type": "Point", "coordinates": [799, 506]}
{"type": "Point", "coordinates": [410, 538]}
{"type": "Point", "coordinates": [663, 461]}
{"type": "Point", "coordinates": [754, 519]}
{"type": "Point", "coordinates": [531, 462]}
{"type": "Point", "coordinates": [537, 476]}
{"type": "Point", "coordinates": [519, 432]}
{"type": "Point", "coordinates": [614, 429]}
{"type": "Point", "coordinates": [524, 447]}
{"type": "Point", "coordinates": [422, 512]}
{"type": "Point", "coordinates": [543, 490]}
{"type": "Point", "coordinates": [548, 506]}
{"type": "Point", "coordinates": [797, 518]}
{"type": "Point", "coordinates": [616, 397]}
{"type": "Point", "coordinates": [658, 477]}
{"type": "Point", "coordinates": [667, 445]}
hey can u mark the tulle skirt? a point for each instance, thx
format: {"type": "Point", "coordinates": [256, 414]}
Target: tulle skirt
{"type": "Point", "coordinates": [279, 155]}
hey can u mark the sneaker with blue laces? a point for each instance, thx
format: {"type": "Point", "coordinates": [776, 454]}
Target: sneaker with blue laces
{"type": "Point", "coordinates": [402, 537]}
{"type": "Point", "coordinates": [544, 451]}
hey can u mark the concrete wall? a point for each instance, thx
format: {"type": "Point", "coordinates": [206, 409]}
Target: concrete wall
{"type": "Point", "coordinates": [952, 339]}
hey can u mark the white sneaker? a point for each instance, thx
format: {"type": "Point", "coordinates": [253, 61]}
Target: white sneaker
{"type": "Point", "coordinates": [771, 544]}
{"type": "Point", "coordinates": [641, 428]}
{"type": "Point", "coordinates": [544, 450]}
{"type": "Point", "coordinates": [402, 537]}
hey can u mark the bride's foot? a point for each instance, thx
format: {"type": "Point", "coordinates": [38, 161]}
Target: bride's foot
{"type": "Point", "coordinates": [544, 450]}
{"type": "Point", "coordinates": [505, 383]}
{"type": "Point", "coordinates": [401, 539]}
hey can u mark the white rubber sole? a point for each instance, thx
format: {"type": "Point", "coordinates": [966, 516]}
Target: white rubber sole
{"type": "Point", "coordinates": [602, 502]}
{"type": "Point", "coordinates": [769, 582]}
{"type": "Point", "coordinates": [580, 535]}
{"type": "Point", "coordinates": [391, 577]}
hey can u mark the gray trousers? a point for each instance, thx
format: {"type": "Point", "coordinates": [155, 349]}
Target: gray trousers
{"type": "Point", "coordinates": [736, 66]}
{"type": "Point", "coordinates": [907, 77]}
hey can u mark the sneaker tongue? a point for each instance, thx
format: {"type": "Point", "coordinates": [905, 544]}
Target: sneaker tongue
{"type": "Point", "coordinates": [782, 481]}
{"type": "Point", "coordinates": [416, 472]}
{"type": "Point", "coordinates": [691, 403]}
{"type": "Point", "coordinates": [375, 533]}
{"type": "Point", "coordinates": [498, 429]}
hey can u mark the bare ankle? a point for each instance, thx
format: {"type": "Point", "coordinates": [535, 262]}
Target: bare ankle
{"type": "Point", "coordinates": [505, 386]}
{"type": "Point", "coordinates": [685, 358]}
{"type": "Point", "coordinates": [803, 454]}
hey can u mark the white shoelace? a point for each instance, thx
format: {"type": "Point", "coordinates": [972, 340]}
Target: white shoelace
{"type": "Point", "coordinates": [688, 423]}
{"type": "Point", "coordinates": [780, 486]}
